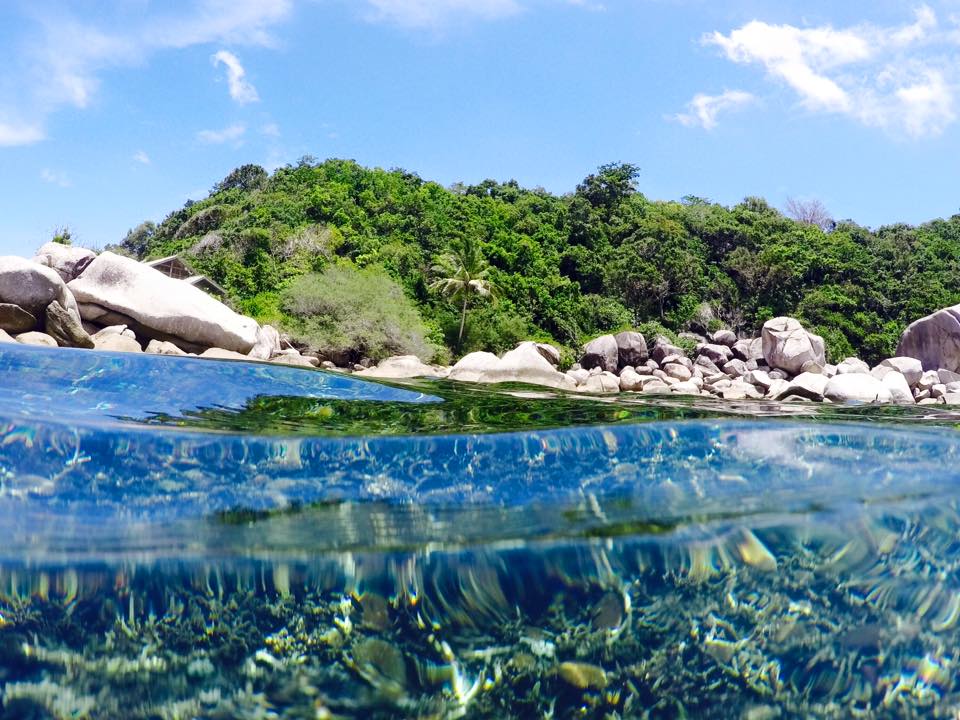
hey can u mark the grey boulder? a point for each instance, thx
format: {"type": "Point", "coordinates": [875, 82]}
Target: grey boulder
{"type": "Point", "coordinates": [36, 338]}
{"type": "Point", "coordinates": [162, 347]}
{"type": "Point", "coordinates": [806, 385]}
{"type": "Point", "coordinates": [472, 366]}
{"type": "Point", "coordinates": [67, 260]}
{"type": "Point", "coordinates": [631, 349]}
{"type": "Point", "coordinates": [267, 345]}
{"type": "Point", "coordinates": [15, 319]}
{"type": "Point", "coordinates": [856, 387]}
{"type": "Point", "coordinates": [934, 340]}
{"type": "Point", "coordinates": [787, 346]}
{"type": "Point", "coordinates": [402, 366]}
{"type": "Point", "coordinates": [163, 306]}
{"type": "Point", "coordinates": [910, 368]}
{"type": "Point", "coordinates": [64, 326]}
{"type": "Point", "coordinates": [601, 352]}
{"type": "Point", "coordinates": [32, 286]}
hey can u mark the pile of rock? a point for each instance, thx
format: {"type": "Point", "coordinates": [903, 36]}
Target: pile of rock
{"type": "Point", "coordinates": [785, 363]}
{"type": "Point", "coordinates": [72, 297]}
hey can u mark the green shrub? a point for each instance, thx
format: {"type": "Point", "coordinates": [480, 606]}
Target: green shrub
{"type": "Point", "coordinates": [355, 313]}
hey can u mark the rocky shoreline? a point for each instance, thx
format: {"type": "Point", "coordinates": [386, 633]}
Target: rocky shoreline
{"type": "Point", "coordinates": [72, 297]}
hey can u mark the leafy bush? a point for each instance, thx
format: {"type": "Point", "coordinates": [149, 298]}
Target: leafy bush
{"type": "Point", "coordinates": [354, 313]}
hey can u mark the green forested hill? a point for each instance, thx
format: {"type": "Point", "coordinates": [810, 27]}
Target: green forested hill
{"type": "Point", "coordinates": [321, 240]}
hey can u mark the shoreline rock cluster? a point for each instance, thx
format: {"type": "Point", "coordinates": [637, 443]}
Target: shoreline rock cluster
{"type": "Point", "coordinates": [72, 297]}
{"type": "Point", "coordinates": [786, 363]}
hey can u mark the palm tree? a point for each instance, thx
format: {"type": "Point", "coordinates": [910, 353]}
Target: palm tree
{"type": "Point", "coordinates": [463, 273]}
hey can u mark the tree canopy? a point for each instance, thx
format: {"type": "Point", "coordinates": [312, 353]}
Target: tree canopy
{"type": "Point", "coordinates": [566, 268]}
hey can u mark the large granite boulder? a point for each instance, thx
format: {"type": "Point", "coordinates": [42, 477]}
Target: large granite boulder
{"type": "Point", "coordinates": [787, 346]}
{"type": "Point", "coordinates": [32, 286]}
{"type": "Point", "coordinates": [934, 340]}
{"type": "Point", "coordinates": [856, 387]}
{"type": "Point", "coordinates": [601, 352]}
{"type": "Point", "coordinates": [67, 260]}
{"type": "Point", "coordinates": [523, 364]}
{"type": "Point", "coordinates": [162, 307]}
{"type": "Point", "coordinates": [472, 366]}
{"type": "Point", "coordinates": [631, 349]}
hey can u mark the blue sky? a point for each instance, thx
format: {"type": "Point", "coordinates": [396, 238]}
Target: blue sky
{"type": "Point", "coordinates": [114, 113]}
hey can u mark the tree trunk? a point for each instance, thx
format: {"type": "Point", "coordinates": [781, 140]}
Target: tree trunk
{"type": "Point", "coordinates": [463, 320]}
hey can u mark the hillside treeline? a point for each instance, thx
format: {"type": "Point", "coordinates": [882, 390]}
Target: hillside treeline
{"type": "Point", "coordinates": [327, 249]}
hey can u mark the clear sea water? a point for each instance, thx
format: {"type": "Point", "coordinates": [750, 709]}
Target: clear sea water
{"type": "Point", "coordinates": [185, 538]}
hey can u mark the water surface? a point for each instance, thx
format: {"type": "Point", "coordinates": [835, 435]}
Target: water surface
{"type": "Point", "coordinates": [189, 538]}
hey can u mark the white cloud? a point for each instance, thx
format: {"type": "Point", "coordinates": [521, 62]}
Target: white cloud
{"type": "Point", "coordinates": [270, 129]}
{"type": "Point", "coordinates": [141, 157]}
{"type": "Point", "coordinates": [435, 13]}
{"type": "Point", "coordinates": [59, 59]}
{"type": "Point", "coordinates": [55, 177]}
{"type": "Point", "coordinates": [12, 135]}
{"type": "Point", "coordinates": [703, 109]}
{"type": "Point", "coordinates": [232, 133]}
{"type": "Point", "coordinates": [240, 89]}
{"type": "Point", "coordinates": [897, 78]}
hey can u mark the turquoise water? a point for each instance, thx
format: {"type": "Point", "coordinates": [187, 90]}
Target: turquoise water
{"type": "Point", "coordinates": [187, 538]}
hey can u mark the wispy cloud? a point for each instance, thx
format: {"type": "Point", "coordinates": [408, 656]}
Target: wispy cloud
{"type": "Point", "coordinates": [232, 133]}
{"type": "Point", "coordinates": [59, 62]}
{"type": "Point", "coordinates": [141, 157]}
{"type": "Point", "coordinates": [241, 90]}
{"type": "Point", "coordinates": [899, 78]}
{"type": "Point", "coordinates": [703, 109]}
{"type": "Point", "coordinates": [55, 177]}
{"type": "Point", "coordinates": [270, 129]}
{"type": "Point", "coordinates": [16, 134]}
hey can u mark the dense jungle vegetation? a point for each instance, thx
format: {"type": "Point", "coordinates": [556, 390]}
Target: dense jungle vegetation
{"type": "Point", "coordinates": [384, 261]}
